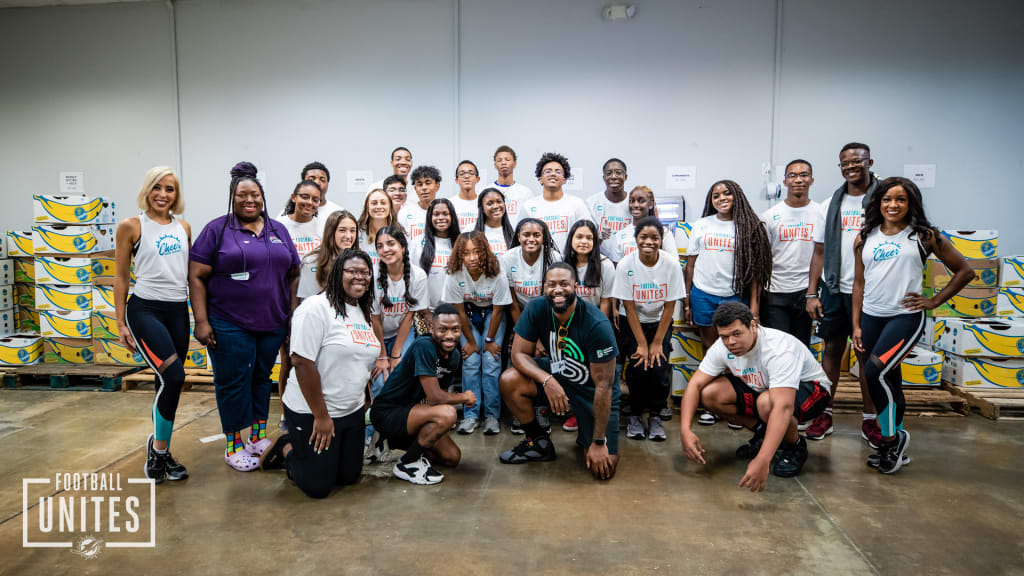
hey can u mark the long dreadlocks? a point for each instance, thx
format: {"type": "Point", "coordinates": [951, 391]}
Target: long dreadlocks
{"type": "Point", "coordinates": [752, 264]}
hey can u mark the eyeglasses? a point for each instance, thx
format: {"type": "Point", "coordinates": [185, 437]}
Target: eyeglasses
{"type": "Point", "coordinates": [555, 171]}
{"type": "Point", "coordinates": [804, 175]}
{"type": "Point", "coordinates": [465, 173]}
{"type": "Point", "coordinates": [851, 163]}
{"type": "Point", "coordinates": [356, 273]}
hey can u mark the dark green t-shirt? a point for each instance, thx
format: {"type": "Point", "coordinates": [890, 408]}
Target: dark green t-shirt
{"type": "Point", "coordinates": [591, 339]}
{"type": "Point", "coordinates": [422, 359]}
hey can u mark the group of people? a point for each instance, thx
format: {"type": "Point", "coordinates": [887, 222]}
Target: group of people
{"type": "Point", "coordinates": [541, 303]}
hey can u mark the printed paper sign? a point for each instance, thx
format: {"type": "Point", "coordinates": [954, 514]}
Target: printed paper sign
{"type": "Point", "coordinates": [574, 183]}
{"type": "Point", "coordinates": [358, 180]}
{"type": "Point", "coordinates": [72, 182]}
{"type": "Point", "coordinates": [680, 177]}
{"type": "Point", "coordinates": [921, 174]}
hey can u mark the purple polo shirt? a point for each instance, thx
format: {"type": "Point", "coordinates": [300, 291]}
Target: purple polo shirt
{"type": "Point", "coordinates": [261, 302]}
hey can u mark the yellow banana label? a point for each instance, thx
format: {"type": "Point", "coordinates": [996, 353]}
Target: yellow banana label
{"type": "Point", "coordinates": [119, 354]}
{"type": "Point", "coordinates": [690, 345]}
{"type": "Point", "coordinates": [67, 241]}
{"type": "Point", "coordinates": [997, 344]}
{"type": "Point", "coordinates": [1002, 376]}
{"type": "Point", "coordinates": [63, 272]}
{"type": "Point", "coordinates": [13, 355]}
{"type": "Point", "coordinates": [68, 354]}
{"type": "Point", "coordinates": [52, 297]}
{"type": "Point", "coordinates": [21, 245]}
{"type": "Point", "coordinates": [72, 214]}
{"type": "Point", "coordinates": [971, 247]}
{"type": "Point", "coordinates": [56, 325]}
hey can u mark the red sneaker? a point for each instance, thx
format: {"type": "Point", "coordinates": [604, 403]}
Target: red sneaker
{"type": "Point", "coordinates": [570, 425]}
{"type": "Point", "coordinates": [870, 431]}
{"type": "Point", "coordinates": [821, 427]}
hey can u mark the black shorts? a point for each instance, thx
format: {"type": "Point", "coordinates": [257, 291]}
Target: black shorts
{"type": "Point", "coordinates": [581, 402]}
{"type": "Point", "coordinates": [811, 399]}
{"type": "Point", "coordinates": [837, 320]}
{"type": "Point", "coordinates": [392, 422]}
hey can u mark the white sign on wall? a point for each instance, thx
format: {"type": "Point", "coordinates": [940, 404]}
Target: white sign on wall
{"type": "Point", "coordinates": [680, 177]}
{"type": "Point", "coordinates": [72, 182]}
{"type": "Point", "coordinates": [921, 174]}
{"type": "Point", "coordinates": [358, 181]}
{"type": "Point", "coordinates": [575, 183]}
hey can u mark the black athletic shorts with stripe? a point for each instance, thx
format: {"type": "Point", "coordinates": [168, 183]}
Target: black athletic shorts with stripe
{"type": "Point", "coordinates": [811, 399]}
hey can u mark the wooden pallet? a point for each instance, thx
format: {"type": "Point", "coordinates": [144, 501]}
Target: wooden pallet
{"type": "Point", "coordinates": [993, 403]}
{"type": "Point", "coordinates": [193, 376]}
{"type": "Point", "coordinates": [67, 376]}
{"type": "Point", "coordinates": [921, 401]}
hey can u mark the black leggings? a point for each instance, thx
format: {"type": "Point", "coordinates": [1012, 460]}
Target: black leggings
{"type": "Point", "coordinates": [648, 388]}
{"type": "Point", "coordinates": [160, 331]}
{"type": "Point", "coordinates": [886, 342]}
{"type": "Point", "coordinates": [339, 465]}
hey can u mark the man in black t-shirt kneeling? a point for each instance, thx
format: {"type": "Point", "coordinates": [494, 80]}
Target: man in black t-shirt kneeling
{"type": "Point", "coordinates": [578, 373]}
{"type": "Point", "coordinates": [414, 411]}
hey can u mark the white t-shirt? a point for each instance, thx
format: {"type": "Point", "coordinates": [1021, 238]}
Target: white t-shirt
{"type": "Point", "coordinates": [852, 220]}
{"type": "Point", "coordinates": [610, 216]}
{"type": "Point", "coordinates": [558, 215]}
{"type": "Point", "coordinates": [391, 318]}
{"type": "Point", "coordinates": [791, 234]}
{"type": "Point", "coordinates": [496, 240]}
{"type": "Point", "coordinates": [623, 243]}
{"type": "Point", "coordinates": [892, 268]}
{"type": "Point", "coordinates": [323, 212]}
{"type": "Point", "coordinates": [435, 279]}
{"type": "Point", "coordinates": [713, 241]}
{"type": "Point", "coordinates": [414, 220]}
{"type": "Point", "coordinates": [308, 286]}
{"type": "Point", "coordinates": [515, 196]}
{"type": "Point", "coordinates": [467, 212]}
{"type": "Point", "coordinates": [527, 281]}
{"type": "Point", "coordinates": [594, 294]}
{"type": "Point", "coordinates": [344, 350]}
{"type": "Point", "coordinates": [369, 247]}
{"type": "Point", "coordinates": [649, 287]}
{"type": "Point", "coordinates": [459, 288]}
{"type": "Point", "coordinates": [305, 235]}
{"type": "Point", "coordinates": [777, 360]}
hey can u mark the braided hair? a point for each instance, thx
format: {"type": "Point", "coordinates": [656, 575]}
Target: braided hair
{"type": "Point", "coordinates": [915, 218]}
{"type": "Point", "coordinates": [547, 243]}
{"type": "Point", "coordinates": [427, 255]}
{"type": "Point", "coordinates": [242, 172]}
{"type": "Point", "coordinates": [752, 264]}
{"type": "Point", "coordinates": [481, 219]}
{"type": "Point", "coordinates": [335, 289]}
{"type": "Point", "coordinates": [398, 234]}
{"type": "Point", "coordinates": [592, 278]}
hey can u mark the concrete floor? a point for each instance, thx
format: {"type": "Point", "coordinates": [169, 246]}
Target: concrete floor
{"type": "Point", "coordinates": [957, 509]}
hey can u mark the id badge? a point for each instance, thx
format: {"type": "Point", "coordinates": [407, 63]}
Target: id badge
{"type": "Point", "coordinates": [558, 366]}
{"type": "Point", "coordinates": [241, 276]}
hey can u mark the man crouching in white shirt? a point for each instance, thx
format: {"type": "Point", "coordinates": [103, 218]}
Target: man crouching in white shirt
{"type": "Point", "coordinates": [745, 361]}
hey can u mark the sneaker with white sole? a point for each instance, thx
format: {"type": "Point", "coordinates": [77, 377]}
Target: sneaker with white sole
{"type": "Point", "coordinates": [635, 428]}
{"type": "Point", "coordinates": [516, 428]}
{"type": "Point", "coordinates": [665, 414]}
{"type": "Point", "coordinates": [543, 418]}
{"type": "Point", "coordinates": [890, 456]}
{"type": "Point", "coordinates": [735, 426]}
{"type": "Point", "coordinates": [655, 431]}
{"type": "Point", "coordinates": [873, 460]}
{"type": "Point", "coordinates": [571, 424]}
{"type": "Point", "coordinates": [467, 426]}
{"type": "Point", "coordinates": [820, 427]}
{"type": "Point", "coordinates": [491, 426]}
{"type": "Point", "coordinates": [529, 451]}
{"type": "Point", "coordinates": [419, 472]}
{"type": "Point", "coordinates": [155, 468]}
{"type": "Point", "coordinates": [707, 419]}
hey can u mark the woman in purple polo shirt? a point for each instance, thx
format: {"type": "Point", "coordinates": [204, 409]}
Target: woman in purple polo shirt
{"type": "Point", "coordinates": [242, 276]}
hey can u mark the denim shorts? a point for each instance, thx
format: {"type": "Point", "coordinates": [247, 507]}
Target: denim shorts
{"type": "Point", "coordinates": [704, 305]}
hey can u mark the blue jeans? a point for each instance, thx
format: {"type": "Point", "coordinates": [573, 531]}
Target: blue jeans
{"type": "Point", "coordinates": [480, 372]}
{"type": "Point", "coordinates": [242, 361]}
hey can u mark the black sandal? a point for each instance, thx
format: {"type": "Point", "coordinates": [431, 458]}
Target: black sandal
{"type": "Point", "coordinates": [273, 457]}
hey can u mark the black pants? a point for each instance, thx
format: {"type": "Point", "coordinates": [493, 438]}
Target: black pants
{"type": "Point", "coordinates": [648, 388]}
{"type": "Point", "coordinates": [339, 465]}
{"type": "Point", "coordinates": [160, 331]}
{"type": "Point", "coordinates": [887, 341]}
{"type": "Point", "coordinates": [787, 312]}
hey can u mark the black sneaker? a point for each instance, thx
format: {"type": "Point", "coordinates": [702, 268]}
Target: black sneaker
{"type": "Point", "coordinates": [890, 456]}
{"type": "Point", "coordinates": [418, 472]}
{"type": "Point", "coordinates": [273, 457]}
{"type": "Point", "coordinates": [516, 427]}
{"type": "Point", "coordinates": [529, 450]}
{"type": "Point", "coordinates": [750, 450]}
{"type": "Point", "coordinates": [175, 471]}
{"type": "Point", "coordinates": [790, 459]}
{"type": "Point", "coordinates": [156, 468]}
{"type": "Point", "coordinates": [874, 458]}
{"type": "Point", "coordinates": [543, 414]}
{"type": "Point", "coordinates": [707, 418]}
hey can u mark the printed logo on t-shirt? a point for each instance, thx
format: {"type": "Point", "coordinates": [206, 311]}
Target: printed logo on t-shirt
{"type": "Point", "coordinates": [275, 240]}
{"type": "Point", "coordinates": [305, 244]}
{"type": "Point", "coordinates": [416, 230]}
{"type": "Point", "coordinates": [586, 291]}
{"type": "Point", "coordinates": [467, 220]}
{"type": "Point", "coordinates": [752, 377]}
{"type": "Point", "coordinates": [606, 352]}
{"type": "Point", "coordinates": [886, 251]}
{"type": "Point", "coordinates": [649, 292]}
{"type": "Point", "coordinates": [853, 220]}
{"type": "Point", "coordinates": [796, 232]}
{"type": "Point", "coordinates": [441, 258]}
{"type": "Point", "coordinates": [574, 367]}
{"type": "Point", "coordinates": [168, 244]}
{"type": "Point", "coordinates": [512, 207]}
{"type": "Point", "coordinates": [556, 224]}
{"type": "Point", "coordinates": [527, 287]}
{"type": "Point", "coordinates": [614, 223]}
{"type": "Point", "coordinates": [398, 308]}
{"type": "Point", "coordinates": [719, 241]}
{"type": "Point", "coordinates": [362, 333]}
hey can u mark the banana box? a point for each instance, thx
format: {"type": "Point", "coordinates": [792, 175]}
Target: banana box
{"type": "Point", "coordinates": [103, 298]}
{"type": "Point", "coordinates": [8, 321]}
{"type": "Point", "coordinates": [79, 209]}
{"type": "Point", "coordinates": [983, 372]}
{"type": "Point", "coordinates": [933, 328]}
{"type": "Point", "coordinates": [1011, 272]}
{"type": "Point", "coordinates": [198, 357]}
{"type": "Point", "coordinates": [104, 325]}
{"type": "Point", "coordinates": [28, 320]}
{"type": "Point", "coordinates": [1002, 337]}
{"type": "Point", "coordinates": [70, 297]}
{"type": "Point", "coordinates": [986, 274]}
{"type": "Point", "coordinates": [24, 270]}
{"type": "Point", "coordinates": [275, 372]}
{"type": "Point", "coordinates": [8, 298]}
{"type": "Point", "coordinates": [687, 347]}
{"type": "Point", "coordinates": [919, 368]}
{"type": "Point", "coordinates": [6, 271]}
{"type": "Point", "coordinates": [62, 270]}
{"type": "Point", "coordinates": [679, 316]}
{"type": "Point", "coordinates": [974, 244]}
{"type": "Point", "coordinates": [681, 374]}
{"type": "Point", "coordinates": [682, 234]}
{"type": "Point", "coordinates": [1010, 302]}
{"type": "Point", "coordinates": [65, 324]}
{"type": "Point", "coordinates": [113, 353]}
{"type": "Point", "coordinates": [67, 351]}
{"type": "Point", "coordinates": [20, 243]}
{"type": "Point", "coordinates": [21, 350]}
{"type": "Point", "coordinates": [25, 295]}
{"type": "Point", "coordinates": [970, 302]}
{"type": "Point", "coordinates": [817, 348]}
{"type": "Point", "coordinates": [72, 240]}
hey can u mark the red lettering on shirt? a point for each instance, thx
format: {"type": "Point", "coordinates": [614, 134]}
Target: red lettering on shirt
{"type": "Point", "coordinates": [511, 207]}
{"type": "Point", "coordinates": [646, 293]}
{"type": "Point", "coordinates": [718, 241]}
{"type": "Point", "coordinates": [614, 225]}
{"type": "Point", "coordinates": [397, 309]}
{"type": "Point", "coordinates": [365, 337]}
{"type": "Point", "coordinates": [796, 233]}
{"type": "Point", "coordinates": [586, 291]}
{"type": "Point", "coordinates": [557, 224]}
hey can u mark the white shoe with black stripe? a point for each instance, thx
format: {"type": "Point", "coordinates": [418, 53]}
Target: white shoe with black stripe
{"type": "Point", "coordinates": [418, 472]}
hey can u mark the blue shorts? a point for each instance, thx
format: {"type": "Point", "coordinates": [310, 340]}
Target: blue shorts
{"type": "Point", "coordinates": [704, 305]}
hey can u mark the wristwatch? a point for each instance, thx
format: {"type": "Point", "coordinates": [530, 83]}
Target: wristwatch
{"type": "Point", "coordinates": [599, 441]}
{"type": "Point", "coordinates": [488, 340]}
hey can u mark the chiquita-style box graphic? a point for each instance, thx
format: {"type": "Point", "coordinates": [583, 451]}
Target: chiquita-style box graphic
{"type": "Point", "coordinates": [74, 209]}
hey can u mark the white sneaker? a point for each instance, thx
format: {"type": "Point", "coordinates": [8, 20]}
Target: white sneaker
{"type": "Point", "coordinates": [707, 418]}
{"type": "Point", "coordinates": [419, 472]}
